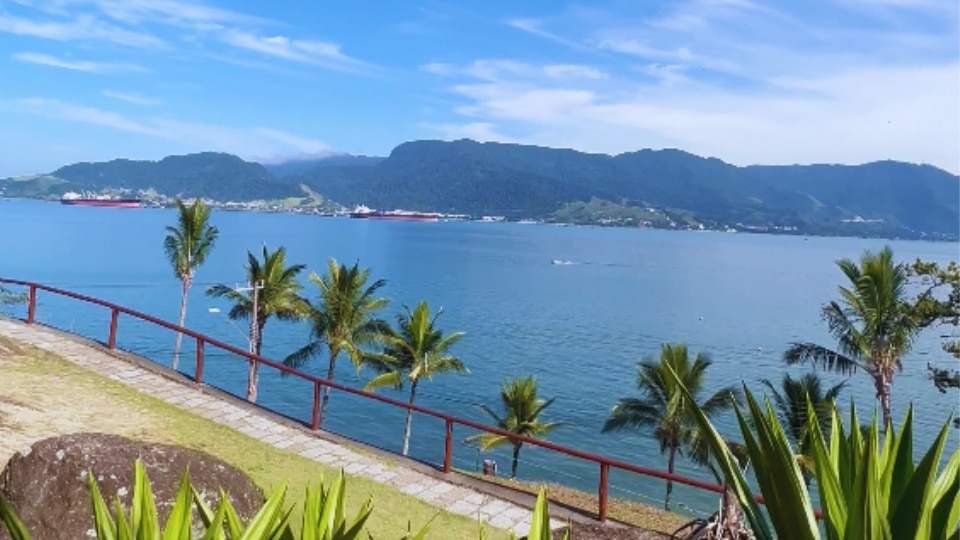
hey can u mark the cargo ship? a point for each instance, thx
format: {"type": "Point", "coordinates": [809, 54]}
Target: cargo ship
{"type": "Point", "coordinates": [75, 199]}
{"type": "Point", "coordinates": [362, 212]}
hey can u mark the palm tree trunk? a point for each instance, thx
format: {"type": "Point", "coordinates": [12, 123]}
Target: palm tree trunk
{"type": "Point", "coordinates": [406, 429]}
{"type": "Point", "coordinates": [882, 383]}
{"type": "Point", "coordinates": [183, 317]}
{"type": "Point", "coordinates": [516, 459]}
{"type": "Point", "coordinates": [670, 464]}
{"type": "Point", "coordinates": [326, 389]}
{"type": "Point", "coordinates": [253, 376]}
{"type": "Point", "coordinates": [730, 524]}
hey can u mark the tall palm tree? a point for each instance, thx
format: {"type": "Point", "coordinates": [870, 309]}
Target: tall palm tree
{"type": "Point", "coordinates": [662, 406]}
{"type": "Point", "coordinates": [521, 415]}
{"type": "Point", "coordinates": [791, 401]}
{"type": "Point", "coordinates": [418, 351]}
{"type": "Point", "coordinates": [278, 296]}
{"type": "Point", "coordinates": [187, 246]}
{"type": "Point", "coordinates": [873, 323]}
{"type": "Point", "coordinates": [343, 320]}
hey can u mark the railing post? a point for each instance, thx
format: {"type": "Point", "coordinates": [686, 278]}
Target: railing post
{"type": "Point", "coordinates": [114, 315]}
{"type": "Point", "coordinates": [448, 450]}
{"type": "Point", "coordinates": [604, 484]}
{"type": "Point", "coordinates": [32, 306]}
{"type": "Point", "coordinates": [315, 418]}
{"type": "Point", "coordinates": [198, 371]}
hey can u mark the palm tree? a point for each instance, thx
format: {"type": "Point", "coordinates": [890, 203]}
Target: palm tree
{"type": "Point", "coordinates": [418, 351]}
{"type": "Point", "coordinates": [343, 320]}
{"type": "Point", "coordinates": [277, 297]}
{"type": "Point", "coordinates": [521, 415]}
{"type": "Point", "coordinates": [791, 401]}
{"type": "Point", "coordinates": [661, 405]}
{"type": "Point", "coordinates": [873, 324]}
{"type": "Point", "coordinates": [187, 246]}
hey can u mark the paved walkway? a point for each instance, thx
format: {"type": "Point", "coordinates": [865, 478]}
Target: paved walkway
{"type": "Point", "coordinates": [445, 495]}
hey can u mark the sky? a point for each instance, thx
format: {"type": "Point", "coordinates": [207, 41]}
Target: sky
{"type": "Point", "coordinates": [778, 82]}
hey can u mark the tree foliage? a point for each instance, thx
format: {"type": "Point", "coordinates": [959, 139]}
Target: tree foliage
{"type": "Point", "coordinates": [415, 352]}
{"type": "Point", "coordinates": [343, 320]}
{"type": "Point", "coordinates": [522, 408]}
{"type": "Point", "coordinates": [187, 246]}
{"type": "Point", "coordinates": [873, 323]}
{"type": "Point", "coordinates": [664, 409]}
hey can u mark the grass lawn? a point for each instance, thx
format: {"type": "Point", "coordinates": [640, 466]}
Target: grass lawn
{"type": "Point", "coordinates": [43, 395]}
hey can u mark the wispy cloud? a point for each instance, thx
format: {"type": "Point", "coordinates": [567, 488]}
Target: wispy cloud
{"type": "Point", "coordinates": [246, 142]}
{"type": "Point", "coordinates": [535, 27]}
{"type": "Point", "coordinates": [135, 99]}
{"type": "Point", "coordinates": [83, 28]}
{"type": "Point", "coordinates": [75, 65]}
{"type": "Point", "coordinates": [186, 14]}
{"type": "Point", "coordinates": [857, 116]}
{"type": "Point", "coordinates": [478, 131]}
{"type": "Point", "coordinates": [296, 50]}
{"type": "Point", "coordinates": [302, 144]}
{"type": "Point", "coordinates": [201, 28]}
{"type": "Point", "coordinates": [53, 108]}
{"type": "Point", "coordinates": [498, 69]}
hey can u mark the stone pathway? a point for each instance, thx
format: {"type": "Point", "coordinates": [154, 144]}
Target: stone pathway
{"type": "Point", "coordinates": [444, 495]}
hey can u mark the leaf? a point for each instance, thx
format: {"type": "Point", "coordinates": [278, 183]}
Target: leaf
{"type": "Point", "coordinates": [267, 520]}
{"type": "Point", "coordinates": [179, 521]}
{"type": "Point", "coordinates": [103, 522]}
{"type": "Point", "coordinates": [9, 518]}
{"type": "Point", "coordinates": [144, 508]}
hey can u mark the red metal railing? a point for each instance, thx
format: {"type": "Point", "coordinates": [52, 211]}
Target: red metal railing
{"type": "Point", "coordinates": [604, 463]}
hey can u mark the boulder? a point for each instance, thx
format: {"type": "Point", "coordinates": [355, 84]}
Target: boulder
{"type": "Point", "coordinates": [47, 485]}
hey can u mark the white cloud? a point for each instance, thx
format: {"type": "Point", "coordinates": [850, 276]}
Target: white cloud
{"type": "Point", "coordinates": [296, 50]}
{"type": "Point", "coordinates": [75, 65]}
{"type": "Point", "coordinates": [734, 79]}
{"type": "Point", "coordinates": [302, 144]}
{"type": "Point", "coordinates": [136, 99]}
{"type": "Point", "coordinates": [570, 71]}
{"type": "Point", "coordinates": [245, 142]}
{"type": "Point", "coordinates": [53, 108]}
{"type": "Point", "coordinates": [478, 131]}
{"type": "Point", "coordinates": [850, 117]}
{"type": "Point", "coordinates": [195, 25]}
{"type": "Point", "coordinates": [535, 27]}
{"type": "Point", "coordinates": [189, 14]}
{"type": "Point", "coordinates": [83, 27]}
{"type": "Point", "coordinates": [498, 69]}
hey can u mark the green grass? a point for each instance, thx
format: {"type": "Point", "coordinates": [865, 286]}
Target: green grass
{"type": "Point", "coordinates": [269, 467]}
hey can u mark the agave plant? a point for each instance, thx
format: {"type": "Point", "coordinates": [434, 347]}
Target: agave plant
{"type": "Point", "coordinates": [867, 489]}
{"type": "Point", "coordinates": [324, 516]}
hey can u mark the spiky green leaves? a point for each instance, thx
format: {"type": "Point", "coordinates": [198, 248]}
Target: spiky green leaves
{"type": "Point", "coordinates": [867, 489]}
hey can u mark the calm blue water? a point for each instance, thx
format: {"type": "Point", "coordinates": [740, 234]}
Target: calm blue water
{"type": "Point", "coordinates": [579, 328]}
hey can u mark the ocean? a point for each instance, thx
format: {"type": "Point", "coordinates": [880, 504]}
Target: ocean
{"type": "Point", "coordinates": [579, 327]}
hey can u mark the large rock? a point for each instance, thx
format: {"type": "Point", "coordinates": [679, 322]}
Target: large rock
{"type": "Point", "coordinates": [48, 485]}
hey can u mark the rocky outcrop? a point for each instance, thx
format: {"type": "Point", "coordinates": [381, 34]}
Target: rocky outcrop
{"type": "Point", "coordinates": [47, 486]}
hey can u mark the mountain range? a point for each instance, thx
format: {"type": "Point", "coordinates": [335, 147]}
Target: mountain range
{"type": "Point", "coordinates": [884, 198]}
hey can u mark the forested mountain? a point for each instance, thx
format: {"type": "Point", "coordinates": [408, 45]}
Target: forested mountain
{"type": "Point", "coordinates": [528, 181]}
{"type": "Point", "coordinates": [300, 166]}
{"type": "Point", "coordinates": [883, 198]}
{"type": "Point", "coordinates": [215, 175]}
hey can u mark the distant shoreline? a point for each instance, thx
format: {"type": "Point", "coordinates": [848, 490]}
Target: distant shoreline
{"type": "Point", "coordinates": [276, 209]}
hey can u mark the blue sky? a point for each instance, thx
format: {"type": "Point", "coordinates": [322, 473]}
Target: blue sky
{"type": "Point", "coordinates": [814, 81]}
